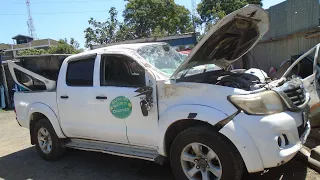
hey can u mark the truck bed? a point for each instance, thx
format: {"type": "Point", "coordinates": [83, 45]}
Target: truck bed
{"type": "Point", "coordinates": [25, 100]}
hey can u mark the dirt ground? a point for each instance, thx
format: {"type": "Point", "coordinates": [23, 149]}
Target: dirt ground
{"type": "Point", "coordinates": [19, 160]}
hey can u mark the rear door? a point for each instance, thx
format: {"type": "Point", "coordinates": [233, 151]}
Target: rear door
{"type": "Point", "coordinates": [81, 109]}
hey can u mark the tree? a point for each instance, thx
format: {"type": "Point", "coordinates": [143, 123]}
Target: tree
{"type": "Point", "coordinates": [142, 18]}
{"type": "Point", "coordinates": [148, 17]}
{"type": "Point", "coordinates": [159, 32]}
{"type": "Point", "coordinates": [102, 32]}
{"type": "Point", "coordinates": [212, 10]}
{"type": "Point", "coordinates": [62, 48]}
{"type": "Point", "coordinates": [124, 32]}
{"type": "Point", "coordinates": [75, 44]}
{"type": "Point", "coordinates": [32, 52]}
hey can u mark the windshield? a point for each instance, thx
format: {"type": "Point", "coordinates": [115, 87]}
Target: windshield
{"type": "Point", "coordinates": [162, 56]}
{"type": "Point", "coordinates": [198, 70]}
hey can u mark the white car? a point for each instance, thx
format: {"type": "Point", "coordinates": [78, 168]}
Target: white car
{"type": "Point", "coordinates": [139, 101]}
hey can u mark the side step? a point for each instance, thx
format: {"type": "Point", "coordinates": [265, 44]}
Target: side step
{"type": "Point", "coordinates": [114, 149]}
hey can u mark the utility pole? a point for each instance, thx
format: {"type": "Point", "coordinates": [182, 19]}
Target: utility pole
{"type": "Point", "coordinates": [31, 28]}
{"type": "Point", "coordinates": [193, 11]}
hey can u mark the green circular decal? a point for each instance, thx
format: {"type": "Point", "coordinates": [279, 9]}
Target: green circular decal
{"type": "Point", "coordinates": [121, 107]}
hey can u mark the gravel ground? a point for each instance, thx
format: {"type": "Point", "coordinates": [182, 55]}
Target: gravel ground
{"type": "Point", "coordinates": [19, 160]}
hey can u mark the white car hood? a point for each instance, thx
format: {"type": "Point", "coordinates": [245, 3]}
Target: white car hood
{"type": "Point", "coordinates": [229, 39]}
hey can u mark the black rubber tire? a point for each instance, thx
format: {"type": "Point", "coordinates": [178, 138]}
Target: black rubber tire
{"type": "Point", "coordinates": [57, 146]}
{"type": "Point", "coordinates": [231, 161]}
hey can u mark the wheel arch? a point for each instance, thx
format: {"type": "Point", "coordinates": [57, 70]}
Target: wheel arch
{"type": "Point", "coordinates": [179, 118]}
{"type": "Point", "coordinates": [41, 111]}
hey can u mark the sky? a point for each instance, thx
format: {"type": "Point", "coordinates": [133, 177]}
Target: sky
{"type": "Point", "coordinates": [59, 19]}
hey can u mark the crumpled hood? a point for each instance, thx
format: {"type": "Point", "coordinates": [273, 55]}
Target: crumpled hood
{"type": "Point", "coordinates": [229, 39]}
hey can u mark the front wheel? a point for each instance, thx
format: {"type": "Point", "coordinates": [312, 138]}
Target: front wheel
{"type": "Point", "coordinates": [202, 154]}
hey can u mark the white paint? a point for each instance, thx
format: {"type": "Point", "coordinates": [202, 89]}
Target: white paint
{"type": "Point", "coordinates": [263, 25]}
{"type": "Point", "coordinates": [83, 116]}
{"type": "Point", "coordinates": [258, 73]}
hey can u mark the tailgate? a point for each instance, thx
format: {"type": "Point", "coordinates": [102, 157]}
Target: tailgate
{"type": "Point", "coordinates": [28, 79]}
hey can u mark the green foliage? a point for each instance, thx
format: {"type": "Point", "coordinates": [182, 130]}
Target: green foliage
{"type": "Point", "coordinates": [124, 33]}
{"type": "Point", "coordinates": [75, 44]}
{"type": "Point", "coordinates": [62, 48]}
{"type": "Point", "coordinates": [32, 52]}
{"type": "Point", "coordinates": [147, 17]}
{"type": "Point", "coordinates": [142, 18]}
{"type": "Point", "coordinates": [212, 10]}
{"type": "Point", "coordinates": [158, 32]}
{"type": "Point", "coordinates": [103, 32]}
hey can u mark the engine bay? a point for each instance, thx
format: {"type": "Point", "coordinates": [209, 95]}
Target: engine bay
{"type": "Point", "coordinates": [242, 79]}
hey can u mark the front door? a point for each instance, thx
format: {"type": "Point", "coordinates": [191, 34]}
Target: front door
{"type": "Point", "coordinates": [307, 67]}
{"type": "Point", "coordinates": [123, 82]}
{"type": "Point", "coordinates": [83, 112]}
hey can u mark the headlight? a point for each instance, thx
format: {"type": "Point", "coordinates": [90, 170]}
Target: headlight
{"type": "Point", "coordinates": [268, 102]}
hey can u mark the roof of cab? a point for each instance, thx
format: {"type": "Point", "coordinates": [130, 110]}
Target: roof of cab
{"type": "Point", "coordinates": [124, 47]}
{"type": "Point", "coordinates": [130, 46]}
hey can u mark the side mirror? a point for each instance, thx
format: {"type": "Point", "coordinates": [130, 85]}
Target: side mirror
{"type": "Point", "coordinates": [144, 107]}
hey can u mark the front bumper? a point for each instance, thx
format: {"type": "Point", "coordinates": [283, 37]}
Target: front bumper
{"type": "Point", "coordinates": [256, 138]}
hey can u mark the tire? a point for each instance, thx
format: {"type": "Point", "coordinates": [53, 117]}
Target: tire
{"type": "Point", "coordinates": [228, 159]}
{"type": "Point", "coordinates": [56, 150]}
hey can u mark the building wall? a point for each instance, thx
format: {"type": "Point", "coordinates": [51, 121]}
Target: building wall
{"type": "Point", "coordinates": [268, 54]}
{"type": "Point", "coordinates": [292, 16]}
{"type": "Point", "coordinates": [294, 29]}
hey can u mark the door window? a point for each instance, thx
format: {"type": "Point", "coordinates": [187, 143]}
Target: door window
{"type": "Point", "coordinates": [80, 72]}
{"type": "Point", "coordinates": [121, 71]}
{"type": "Point", "coordinates": [305, 67]}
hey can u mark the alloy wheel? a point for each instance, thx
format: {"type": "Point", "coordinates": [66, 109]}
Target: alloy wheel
{"type": "Point", "coordinates": [200, 162]}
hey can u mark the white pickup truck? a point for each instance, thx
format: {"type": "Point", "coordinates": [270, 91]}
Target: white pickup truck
{"type": "Point", "coordinates": [147, 101]}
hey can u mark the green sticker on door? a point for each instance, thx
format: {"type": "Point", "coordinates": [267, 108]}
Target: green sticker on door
{"type": "Point", "coordinates": [121, 107]}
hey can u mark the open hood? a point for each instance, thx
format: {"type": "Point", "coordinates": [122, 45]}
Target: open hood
{"type": "Point", "coordinates": [229, 39]}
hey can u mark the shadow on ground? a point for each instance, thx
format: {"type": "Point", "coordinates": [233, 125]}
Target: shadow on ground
{"type": "Point", "coordinates": [78, 165]}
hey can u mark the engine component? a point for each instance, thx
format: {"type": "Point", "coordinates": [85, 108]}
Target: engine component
{"type": "Point", "coordinates": [239, 80]}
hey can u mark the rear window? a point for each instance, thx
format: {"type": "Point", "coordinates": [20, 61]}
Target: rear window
{"type": "Point", "coordinates": [80, 72]}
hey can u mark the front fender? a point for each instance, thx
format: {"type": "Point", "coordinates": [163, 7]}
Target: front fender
{"type": "Point", "coordinates": [245, 145]}
{"type": "Point", "coordinates": [174, 114]}
{"type": "Point", "coordinates": [48, 112]}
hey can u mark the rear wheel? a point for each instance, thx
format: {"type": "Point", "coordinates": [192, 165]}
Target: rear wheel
{"type": "Point", "coordinates": [201, 154]}
{"type": "Point", "coordinates": [48, 144]}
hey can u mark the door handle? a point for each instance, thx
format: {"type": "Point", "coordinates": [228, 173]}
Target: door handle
{"type": "Point", "coordinates": [101, 97]}
{"type": "Point", "coordinates": [64, 97]}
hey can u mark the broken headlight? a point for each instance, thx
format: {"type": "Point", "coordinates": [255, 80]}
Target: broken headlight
{"type": "Point", "coordinates": [268, 102]}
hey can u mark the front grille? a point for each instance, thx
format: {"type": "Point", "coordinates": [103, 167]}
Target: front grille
{"type": "Point", "coordinates": [296, 95]}
{"type": "Point", "coordinates": [301, 129]}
